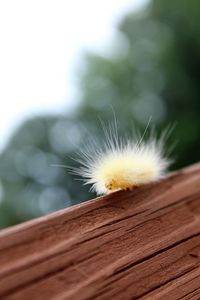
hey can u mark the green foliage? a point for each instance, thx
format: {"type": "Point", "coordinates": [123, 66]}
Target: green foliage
{"type": "Point", "coordinates": [153, 69]}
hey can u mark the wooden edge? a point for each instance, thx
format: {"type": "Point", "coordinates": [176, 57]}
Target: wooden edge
{"type": "Point", "coordinates": [88, 203]}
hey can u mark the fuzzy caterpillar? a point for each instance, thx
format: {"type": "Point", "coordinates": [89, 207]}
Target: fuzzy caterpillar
{"type": "Point", "coordinates": [120, 164]}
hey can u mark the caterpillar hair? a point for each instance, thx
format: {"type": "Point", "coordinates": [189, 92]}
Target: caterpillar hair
{"type": "Point", "coordinates": [123, 163]}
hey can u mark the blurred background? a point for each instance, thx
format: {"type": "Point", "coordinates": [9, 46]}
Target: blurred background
{"type": "Point", "coordinates": [63, 64]}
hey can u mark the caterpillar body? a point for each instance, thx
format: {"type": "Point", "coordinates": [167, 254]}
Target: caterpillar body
{"type": "Point", "coordinates": [120, 164]}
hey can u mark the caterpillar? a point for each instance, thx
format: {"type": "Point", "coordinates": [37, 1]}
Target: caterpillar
{"type": "Point", "coordinates": [122, 163]}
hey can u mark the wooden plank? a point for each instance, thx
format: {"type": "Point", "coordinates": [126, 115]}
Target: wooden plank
{"type": "Point", "coordinates": [140, 244]}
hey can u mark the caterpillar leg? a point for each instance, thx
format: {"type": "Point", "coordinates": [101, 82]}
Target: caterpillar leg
{"type": "Point", "coordinates": [131, 188]}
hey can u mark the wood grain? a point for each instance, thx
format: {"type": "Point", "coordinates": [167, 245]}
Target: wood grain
{"type": "Point", "coordinates": [140, 244]}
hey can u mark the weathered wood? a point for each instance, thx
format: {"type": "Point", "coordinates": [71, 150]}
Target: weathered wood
{"type": "Point", "coordinates": [141, 244]}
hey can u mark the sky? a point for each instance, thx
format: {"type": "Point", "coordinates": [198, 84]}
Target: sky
{"type": "Point", "coordinates": [41, 44]}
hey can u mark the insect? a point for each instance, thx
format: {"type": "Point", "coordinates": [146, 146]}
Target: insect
{"type": "Point", "coordinates": [122, 163]}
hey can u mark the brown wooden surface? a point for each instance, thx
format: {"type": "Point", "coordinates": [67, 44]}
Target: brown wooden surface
{"type": "Point", "coordinates": [143, 244]}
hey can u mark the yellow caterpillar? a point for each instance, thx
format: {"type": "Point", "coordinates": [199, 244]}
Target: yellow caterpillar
{"type": "Point", "coordinates": [121, 165]}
